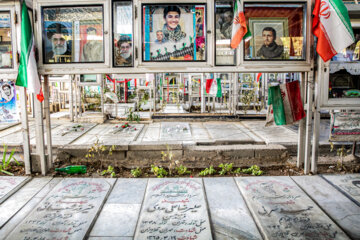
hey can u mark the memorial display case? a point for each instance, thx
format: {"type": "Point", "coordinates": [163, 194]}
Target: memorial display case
{"type": "Point", "coordinates": [6, 53]}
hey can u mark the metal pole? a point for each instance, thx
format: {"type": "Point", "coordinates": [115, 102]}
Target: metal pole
{"type": "Point", "coordinates": [39, 127]}
{"type": "Point", "coordinates": [25, 130]}
{"type": "Point", "coordinates": [76, 99]}
{"type": "Point", "coordinates": [310, 90]}
{"type": "Point", "coordinates": [302, 126]}
{"type": "Point", "coordinates": [99, 76]}
{"type": "Point", "coordinates": [202, 93]}
{"type": "Point", "coordinates": [71, 99]}
{"type": "Point", "coordinates": [32, 100]}
{"type": "Point", "coordinates": [47, 121]}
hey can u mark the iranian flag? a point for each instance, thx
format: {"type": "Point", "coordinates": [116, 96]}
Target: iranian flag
{"type": "Point", "coordinates": [213, 87]}
{"type": "Point", "coordinates": [331, 25]}
{"type": "Point", "coordinates": [239, 28]}
{"type": "Point", "coordinates": [286, 103]}
{"type": "Point", "coordinates": [28, 76]}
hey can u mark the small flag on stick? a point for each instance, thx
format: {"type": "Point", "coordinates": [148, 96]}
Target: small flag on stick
{"type": "Point", "coordinates": [28, 76]}
{"type": "Point", "coordinates": [239, 28]}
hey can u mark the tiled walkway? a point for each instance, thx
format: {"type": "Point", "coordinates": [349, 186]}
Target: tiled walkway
{"type": "Point", "coordinates": [302, 207]}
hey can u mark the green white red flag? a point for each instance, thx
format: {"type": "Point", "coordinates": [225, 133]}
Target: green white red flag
{"type": "Point", "coordinates": [331, 24]}
{"type": "Point", "coordinates": [28, 76]}
{"type": "Point", "coordinates": [239, 28]}
{"type": "Point", "coordinates": [286, 104]}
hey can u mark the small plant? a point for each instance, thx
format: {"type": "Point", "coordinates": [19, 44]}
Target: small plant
{"type": "Point", "coordinates": [237, 171]}
{"type": "Point", "coordinates": [207, 171]}
{"type": "Point", "coordinates": [341, 153]}
{"type": "Point", "coordinates": [131, 116]}
{"type": "Point", "coordinates": [181, 170]}
{"type": "Point", "coordinates": [159, 171]}
{"type": "Point", "coordinates": [99, 152]}
{"type": "Point", "coordinates": [5, 164]}
{"type": "Point", "coordinates": [225, 168]}
{"type": "Point", "coordinates": [253, 170]}
{"type": "Point", "coordinates": [168, 156]}
{"type": "Point", "coordinates": [136, 172]}
{"type": "Point", "coordinates": [109, 170]}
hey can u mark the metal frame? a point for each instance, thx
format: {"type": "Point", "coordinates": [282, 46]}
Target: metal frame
{"type": "Point", "coordinates": [159, 67]}
{"type": "Point", "coordinates": [14, 9]}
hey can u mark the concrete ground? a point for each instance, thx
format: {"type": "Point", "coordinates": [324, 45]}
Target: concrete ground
{"type": "Point", "coordinates": [301, 207]}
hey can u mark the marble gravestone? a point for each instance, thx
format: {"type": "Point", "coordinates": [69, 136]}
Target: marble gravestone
{"type": "Point", "coordinates": [174, 209]}
{"type": "Point", "coordinates": [348, 184]}
{"type": "Point", "coordinates": [283, 211]}
{"type": "Point", "coordinates": [175, 131]}
{"type": "Point", "coordinates": [67, 212]}
{"type": "Point", "coordinates": [9, 185]}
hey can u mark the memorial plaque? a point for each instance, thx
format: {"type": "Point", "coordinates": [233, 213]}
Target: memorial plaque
{"type": "Point", "coordinates": [9, 185]}
{"type": "Point", "coordinates": [174, 209]}
{"type": "Point", "coordinates": [67, 212]}
{"type": "Point", "coordinates": [348, 184]}
{"type": "Point", "coordinates": [175, 131]}
{"type": "Point", "coordinates": [283, 211]}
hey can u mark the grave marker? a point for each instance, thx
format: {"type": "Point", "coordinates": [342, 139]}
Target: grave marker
{"type": "Point", "coordinates": [9, 185]}
{"type": "Point", "coordinates": [348, 184]}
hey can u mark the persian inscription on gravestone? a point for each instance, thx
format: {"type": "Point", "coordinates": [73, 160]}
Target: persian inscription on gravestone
{"type": "Point", "coordinates": [350, 184]}
{"type": "Point", "coordinates": [9, 185]}
{"type": "Point", "coordinates": [174, 209]}
{"type": "Point", "coordinates": [285, 212]}
{"type": "Point", "coordinates": [67, 211]}
{"type": "Point", "coordinates": [175, 131]}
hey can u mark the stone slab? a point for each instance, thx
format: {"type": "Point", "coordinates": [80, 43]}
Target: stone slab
{"type": "Point", "coordinates": [283, 211]}
{"type": "Point", "coordinates": [349, 184]}
{"type": "Point", "coordinates": [174, 209]}
{"type": "Point", "coordinates": [123, 208]}
{"type": "Point", "coordinates": [341, 209]}
{"type": "Point", "coordinates": [29, 206]}
{"type": "Point", "coordinates": [230, 217]}
{"type": "Point", "coordinates": [12, 130]}
{"type": "Point", "coordinates": [67, 133]}
{"type": "Point", "coordinates": [152, 133]}
{"type": "Point", "coordinates": [199, 133]}
{"type": "Point", "coordinates": [272, 134]}
{"type": "Point", "coordinates": [174, 131]}
{"type": "Point", "coordinates": [110, 134]}
{"type": "Point", "coordinates": [9, 185]}
{"type": "Point", "coordinates": [227, 131]}
{"type": "Point", "coordinates": [4, 126]}
{"type": "Point", "coordinates": [68, 211]}
{"type": "Point", "coordinates": [13, 204]}
{"type": "Point", "coordinates": [156, 145]}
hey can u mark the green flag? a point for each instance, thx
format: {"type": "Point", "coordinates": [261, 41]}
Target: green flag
{"type": "Point", "coordinates": [28, 76]}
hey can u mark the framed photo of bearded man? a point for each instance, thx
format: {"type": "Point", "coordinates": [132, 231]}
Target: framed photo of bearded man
{"type": "Point", "coordinates": [170, 32]}
{"type": "Point", "coordinates": [271, 39]}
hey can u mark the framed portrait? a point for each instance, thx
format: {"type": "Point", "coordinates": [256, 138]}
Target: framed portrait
{"type": "Point", "coordinates": [123, 34]}
{"type": "Point", "coordinates": [262, 26]}
{"type": "Point", "coordinates": [276, 35]}
{"type": "Point", "coordinates": [8, 111]}
{"type": "Point", "coordinates": [74, 39]}
{"type": "Point", "coordinates": [5, 40]}
{"type": "Point", "coordinates": [174, 32]}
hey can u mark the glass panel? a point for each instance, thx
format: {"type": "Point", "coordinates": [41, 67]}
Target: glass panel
{"type": "Point", "coordinates": [174, 33]}
{"type": "Point", "coordinates": [277, 31]}
{"type": "Point", "coordinates": [342, 84]}
{"type": "Point", "coordinates": [73, 34]}
{"type": "Point", "coordinates": [5, 41]}
{"type": "Point", "coordinates": [350, 54]}
{"type": "Point", "coordinates": [224, 12]}
{"type": "Point", "coordinates": [123, 34]}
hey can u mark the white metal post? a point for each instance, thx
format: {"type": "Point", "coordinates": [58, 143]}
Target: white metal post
{"type": "Point", "coordinates": [309, 105]}
{"type": "Point", "coordinates": [39, 127]}
{"type": "Point", "coordinates": [302, 126]}
{"type": "Point", "coordinates": [71, 99]}
{"type": "Point", "coordinates": [99, 77]}
{"type": "Point", "coordinates": [202, 95]}
{"type": "Point", "coordinates": [25, 130]}
{"type": "Point", "coordinates": [76, 99]}
{"type": "Point", "coordinates": [47, 121]}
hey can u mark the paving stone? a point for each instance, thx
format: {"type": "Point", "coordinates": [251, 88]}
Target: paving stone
{"type": "Point", "coordinates": [249, 132]}
{"type": "Point", "coordinates": [67, 133]}
{"type": "Point", "coordinates": [152, 133]}
{"type": "Point", "coordinates": [13, 204]}
{"type": "Point", "coordinates": [349, 184]}
{"type": "Point", "coordinates": [110, 238]}
{"type": "Point", "coordinates": [272, 134]}
{"type": "Point", "coordinates": [174, 209]}
{"type": "Point", "coordinates": [4, 126]}
{"type": "Point", "coordinates": [13, 130]}
{"type": "Point", "coordinates": [128, 191]}
{"type": "Point", "coordinates": [67, 211]}
{"type": "Point", "coordinates": [9, 185]}
{"type": "Point", "coordinates": [230, 217]}
{"type": "Point", "coordinates": [341, 209]}
{"type": "Point", "coordinates": [123, 208]}
{"type": "Point", "coordinates": [175, 131]}
{"type": "Point", "coordinates": [283, 211]}
{"type": "Point", "coordinates": [110, 134]}
{"type": "Point", "coordinates": [29, 206]}
{"type": "Point", "coordinates": [227, 131]}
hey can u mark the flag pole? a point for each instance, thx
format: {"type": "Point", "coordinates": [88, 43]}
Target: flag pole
{"type": "Point", "coordinates": [48, 122]}
{"type": "Point", "coordinates": [25, 130]}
